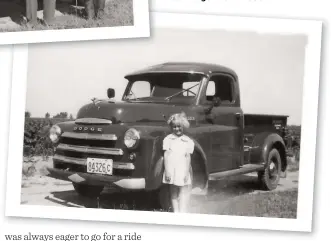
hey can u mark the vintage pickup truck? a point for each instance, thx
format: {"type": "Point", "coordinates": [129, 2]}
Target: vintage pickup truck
{"type": "Point", "coordinates": [119, 143]}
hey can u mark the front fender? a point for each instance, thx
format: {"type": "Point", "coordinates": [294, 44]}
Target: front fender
{"type": "Point", "coordinates": [200, 166]}
{"type": "Point", "coordinates": [152, 139]}
{"type": "Point", "coordinates": [261, 146]}
{"type": "Point", "coordinates": [156, 167]}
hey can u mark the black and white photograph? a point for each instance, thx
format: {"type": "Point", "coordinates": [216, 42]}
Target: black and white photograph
{"type": "Point", "coordinates": [30, 21]}
{"type": "Point", "coordinates": [191, 121]}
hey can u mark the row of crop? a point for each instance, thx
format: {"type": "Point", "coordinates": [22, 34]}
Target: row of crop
{"type": "Point", "coordinates": [36, 136]}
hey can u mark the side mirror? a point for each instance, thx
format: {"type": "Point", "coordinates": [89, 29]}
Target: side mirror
{"type": "Point", "coordinates": [111, 93]}
{"type": "Point", "coordinates": [216, 101]}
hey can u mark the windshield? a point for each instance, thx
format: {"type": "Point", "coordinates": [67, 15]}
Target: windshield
{"type": "Point", "coordinates": [164, 87]}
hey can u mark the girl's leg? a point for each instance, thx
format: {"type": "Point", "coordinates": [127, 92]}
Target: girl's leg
{"type": "Point", "coordinates": [49, 10]}
{"type": "Point", "coordinates": [100, 7]}
{"type": "Point", "coordinates": [31, 10]}
{"type": "Point", "coordinates": [89, 8]}
{"type": "Point", "coordinates": [184, 198]}
{"type": "Point", "coordinates": [174, 193]}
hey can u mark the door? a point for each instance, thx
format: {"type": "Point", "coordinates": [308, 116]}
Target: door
{"type": "Point", "coordinates": [226, 120]}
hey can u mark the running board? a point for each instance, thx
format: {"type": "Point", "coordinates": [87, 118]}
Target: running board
{"type": "Point", "coordinates": [242, 170]}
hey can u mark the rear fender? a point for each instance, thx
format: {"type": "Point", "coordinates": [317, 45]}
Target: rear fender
{"type": "Point", "coordinates": [262, 145]}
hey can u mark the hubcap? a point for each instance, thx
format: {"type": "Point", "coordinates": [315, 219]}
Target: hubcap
{"type": "Point", "coordinates": [273, 170]}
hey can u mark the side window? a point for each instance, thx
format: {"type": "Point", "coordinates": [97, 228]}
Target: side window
{"type": "Point", "coordinates": [210, 92]}
{"type": "Point", "coordinates": [220, 86]}
{"type": "Point", "coordinates": [140, 89]}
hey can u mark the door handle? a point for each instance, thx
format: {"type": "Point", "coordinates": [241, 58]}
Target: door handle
{"type": "Point", "coordinates": [238, 115]}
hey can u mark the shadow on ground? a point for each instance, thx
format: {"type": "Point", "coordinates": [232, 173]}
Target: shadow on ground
{"type": "Point", "coordinates": [108, 200]}
{"type": "Point", "coordinates": [13, 9]}
{"type": "Point", "coordinates": [219, 192]}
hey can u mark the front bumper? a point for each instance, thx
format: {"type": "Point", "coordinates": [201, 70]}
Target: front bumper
{"type": "Point", "coordinates": [98, 180]}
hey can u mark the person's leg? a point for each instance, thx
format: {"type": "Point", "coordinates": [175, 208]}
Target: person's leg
{"type": "Point", "coordinates": [49, 10]}
{"type": "Point", "coordinates": [31, 10]}
{"type": "Point", "coordinates": [184, 198]}
{"type": "Point", "coordinates": [174, 198]}
{"type": "Point", "coordinates": [89, 8]}
{"type": "Point", "coordinates": [99, 7]}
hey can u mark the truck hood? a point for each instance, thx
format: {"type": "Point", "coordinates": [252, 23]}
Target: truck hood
{"type": "Point", "coordinates": [128, 112]}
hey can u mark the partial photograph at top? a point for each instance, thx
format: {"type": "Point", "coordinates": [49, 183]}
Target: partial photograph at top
{"type": "Point", "coordinates": [38, 15]}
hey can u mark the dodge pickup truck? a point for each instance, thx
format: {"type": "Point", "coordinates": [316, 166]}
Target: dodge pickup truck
{"type": "Point", "coordinates": [119, 143]}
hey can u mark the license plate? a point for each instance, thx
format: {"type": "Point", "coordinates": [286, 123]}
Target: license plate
{"type": "Point", "coordinates": [100, 166]}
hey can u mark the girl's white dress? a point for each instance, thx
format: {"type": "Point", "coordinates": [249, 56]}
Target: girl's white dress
{"type": "Point", "coordinates": [178, 146]}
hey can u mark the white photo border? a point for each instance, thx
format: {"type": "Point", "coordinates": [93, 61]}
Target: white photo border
{"type": "Point", "coordinates": [141, 28]}
{"type": "Point", "coordinates": [311, 28]}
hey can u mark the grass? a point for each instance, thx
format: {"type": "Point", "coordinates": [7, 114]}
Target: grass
{"type": "Point", "coordinates": [117, 13]}
{"type": "Point", "coordinates": [35, 166]}
{"type": "Point", "coordinates": [270, 204]}
{"type": "Point", "coordinates": [293, 166]}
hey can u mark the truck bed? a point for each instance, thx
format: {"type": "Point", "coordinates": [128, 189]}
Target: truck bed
{"type": "Point", "coordinates": [256, 123]}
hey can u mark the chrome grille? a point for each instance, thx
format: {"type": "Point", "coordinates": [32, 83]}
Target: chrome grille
{"type": "Point", "coordinates": [91, 150]}
{"type": "Point", "coordinates": [74, 149]}
{"type": "Point", "coordinates": [89, 140]}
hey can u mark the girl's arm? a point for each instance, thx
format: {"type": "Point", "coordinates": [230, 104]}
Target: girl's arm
{"type": "Point", "coordinates": [166, 166]}
{"type": "Point", "coordinates": [166, 163]}
{"type": "Point", "coordinates": [188, 158]}
{"type": "Point", "coordinates": [166, 149]}
{"type": "Point", "coordinates": [188, 165]}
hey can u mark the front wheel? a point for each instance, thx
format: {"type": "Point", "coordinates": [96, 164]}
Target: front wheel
{"type": "Point", "coordinates": [270, 176]}
{"type": "Point", "coordinates": [87, 190]}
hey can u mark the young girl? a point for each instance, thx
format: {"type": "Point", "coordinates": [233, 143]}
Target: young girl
{"type": "Point", "coordinates": [177, 160]}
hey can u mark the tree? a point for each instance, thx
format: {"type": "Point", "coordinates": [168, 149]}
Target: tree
{"type": "Point", "coordinates": [62, 115]}
{"type": "Point", "coordinates": [47, 115]}
{"type": "Point", "coordinates": [27, 114]}
{"type": "Point", "coordinates": [71, 117]}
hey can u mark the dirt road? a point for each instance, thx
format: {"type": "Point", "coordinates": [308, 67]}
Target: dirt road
{"type": "Point", "coordinates": [41, 190]}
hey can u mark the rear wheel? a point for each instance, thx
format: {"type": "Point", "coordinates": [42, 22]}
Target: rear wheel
{"type": "Point", "coordinates": [87, 190]}
{"type": "Point", "coordinates": [270, 176]}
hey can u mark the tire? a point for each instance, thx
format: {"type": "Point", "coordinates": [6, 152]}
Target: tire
{"type": "Point", "coordinates": [87, 190]}
{"type": "Point", "coordinates": [269, 178]}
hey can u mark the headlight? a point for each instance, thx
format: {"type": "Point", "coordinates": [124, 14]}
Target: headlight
{"type": "Point", "coordinates": [55, 133]}
{"type": "Point", "coordinates": [131, 138]}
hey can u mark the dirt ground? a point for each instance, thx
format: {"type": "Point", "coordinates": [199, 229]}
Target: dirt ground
{"type": "Point", "coordinates": [43, 190]}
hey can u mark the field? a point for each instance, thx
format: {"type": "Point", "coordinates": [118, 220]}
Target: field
{"type": "Point", "coordinates": [117, 13]}
{"type": "Point", "coordinates": [36, 141]}
{"type": "Point", "coordinates": [276, 204]}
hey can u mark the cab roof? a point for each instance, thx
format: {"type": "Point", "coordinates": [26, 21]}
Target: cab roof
{"type": "Point", "coordinates": [184, 67]}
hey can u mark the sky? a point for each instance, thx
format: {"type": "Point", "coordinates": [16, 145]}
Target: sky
{"type": "Point", "coordinates": [62, 77]}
